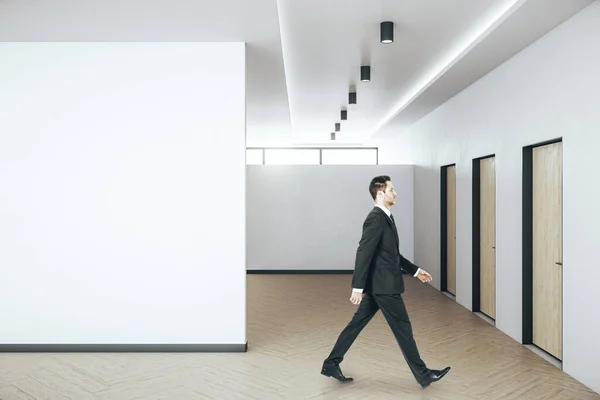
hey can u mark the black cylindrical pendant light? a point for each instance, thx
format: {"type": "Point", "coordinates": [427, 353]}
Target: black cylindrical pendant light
{"type": "Point", "coordinates": [352, 98]}
{"type": "Point", "coordinates": [387, 32]}
{"type": "Point", "coordinates": [332, 135]}
{"type": "Point", "coordinates": [365, 73]}
{"type": "Point", "coordinates": [344, 115]}
{"type": "Point", "coordinates": [337, 126]}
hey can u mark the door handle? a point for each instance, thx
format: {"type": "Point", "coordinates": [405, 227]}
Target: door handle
{"type": "Point", "coordinates": [558, 263]}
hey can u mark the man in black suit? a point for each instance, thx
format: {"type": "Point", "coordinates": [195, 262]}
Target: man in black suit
{"type": "Point", "coordinates": [378, 284]}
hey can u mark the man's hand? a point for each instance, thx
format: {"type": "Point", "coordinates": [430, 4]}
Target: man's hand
{"type": "Point", "coordinates": [424, 276]}
{"type": "Point", "coordinates": [356, 298]}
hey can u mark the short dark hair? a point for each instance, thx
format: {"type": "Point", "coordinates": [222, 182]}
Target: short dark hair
{"type": "Point", "coordinates": [378, 183]}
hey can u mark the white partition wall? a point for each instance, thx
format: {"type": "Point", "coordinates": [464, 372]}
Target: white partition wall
{"type": "Point", "coordinates": [122, 200]}
{"type": "Point", "coordinates": [309, 217]}
{"type": "Point", "coordinates": [550, 90]}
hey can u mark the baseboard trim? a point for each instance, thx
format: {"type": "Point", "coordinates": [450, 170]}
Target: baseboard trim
{"type": "Point", "coordinates": [300, 271]}
{"type": "Point", "coordinates": [124, 348]}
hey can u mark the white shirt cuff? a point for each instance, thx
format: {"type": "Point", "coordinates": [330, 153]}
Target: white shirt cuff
{"type": "Point", "coordinates": [417, 273]}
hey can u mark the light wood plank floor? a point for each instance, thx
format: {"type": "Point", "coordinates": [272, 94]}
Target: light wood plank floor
{"type": "Point", "coordinates": [293, 320]}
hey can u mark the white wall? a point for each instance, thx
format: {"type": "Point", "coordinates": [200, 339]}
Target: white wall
{"type": "Point", "coordinates": [122, 210]}
{"type": "Point", "coordinates": [550, 90]}
{"type": "Point", "coordinates": [311, 216]}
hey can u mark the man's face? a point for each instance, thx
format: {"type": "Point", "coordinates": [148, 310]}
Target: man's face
{"type": "Point", "coordinates": [389, 195]}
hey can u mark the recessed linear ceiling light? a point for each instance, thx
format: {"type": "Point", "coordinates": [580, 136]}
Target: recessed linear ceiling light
{"type": "Point", "coordinates": [352, 98]}
{"type": "Point", "coordinates": [344, 115]}
{"type": "Point", "coordinates": [387, 32]}
{"type": "Point", "coordinates": [332, 135]}
{"type": "Point", "coordinates": [469, 40]}
{"type": "Point", "coordinates": [337, 126]}
{"type": "Point", "coordinates": [365, 73]}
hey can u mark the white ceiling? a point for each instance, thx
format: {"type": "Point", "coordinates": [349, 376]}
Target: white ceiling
{"type": "Point", "coordinates": [523, 26]}
{"type": "Point", "coordinates": [305, 55]}
{"type": "Point", "coordinates": [324, 47]}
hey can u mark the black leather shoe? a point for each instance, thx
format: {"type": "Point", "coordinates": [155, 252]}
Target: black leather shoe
{"type": "Point", "coordinates": [434, 375]}
{"type": "Point", "coordinates": [335, 372]}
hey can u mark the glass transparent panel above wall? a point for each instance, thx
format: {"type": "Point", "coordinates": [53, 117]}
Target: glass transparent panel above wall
{"type": "Point", "coordinates": [349, 156]}
{"type": "Point", "coordinates": [292, 157]}
{"type": "Point", "coordinates": [254, 156]}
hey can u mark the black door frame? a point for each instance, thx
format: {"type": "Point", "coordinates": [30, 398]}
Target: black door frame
{"type": "Point", "coordinates": [475, 246]}
{"type": "Point", "coordinates": [444, 227]}
{"type": "Point", "coordinates": [528, 240]}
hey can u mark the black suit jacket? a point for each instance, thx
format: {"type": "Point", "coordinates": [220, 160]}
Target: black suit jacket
{"type": "Point", "coordinates": [379, 264]}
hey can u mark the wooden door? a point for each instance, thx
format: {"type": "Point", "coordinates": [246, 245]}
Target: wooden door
{"type": "Point", "coordinates": [547, 248]}
{"type": "Point", "coordinates": [487, 243]}
{"type": "Point", "coordinates": [451, 229]}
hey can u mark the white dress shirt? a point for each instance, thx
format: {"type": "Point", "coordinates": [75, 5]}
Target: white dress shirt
{"type": "Point", "coordinates": [388, 213]}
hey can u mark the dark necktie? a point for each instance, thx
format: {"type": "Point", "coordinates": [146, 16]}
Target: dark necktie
{"type": "Point", "coordinates": [395, 228]}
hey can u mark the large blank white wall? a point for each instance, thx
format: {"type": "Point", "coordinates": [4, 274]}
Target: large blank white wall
{"type": "Point", "coordinates": [310, 217]}
{"type": "Point", "coordinates": [549, 90]}
{"type": "Point", "coordinates": [114, 225]}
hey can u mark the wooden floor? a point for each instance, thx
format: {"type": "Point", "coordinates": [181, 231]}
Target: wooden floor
{"type": "Point", "coordinates": [293, 320]}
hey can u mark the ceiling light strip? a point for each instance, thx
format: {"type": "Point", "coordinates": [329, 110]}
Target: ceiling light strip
{"type": "Point", "coordinates": [473, 37]}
